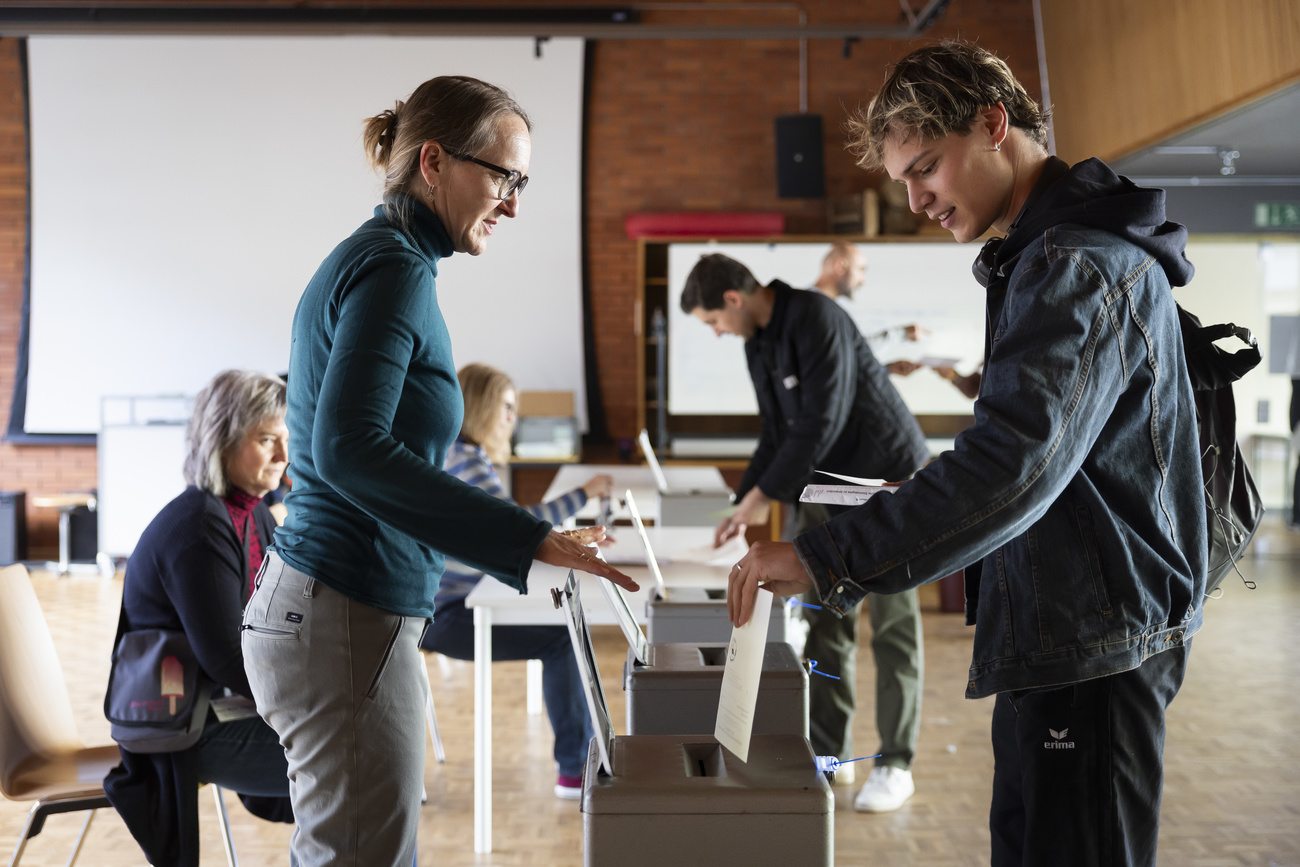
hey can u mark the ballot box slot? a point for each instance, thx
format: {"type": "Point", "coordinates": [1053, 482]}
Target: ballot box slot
{"type": "Point", "coordinates": [713, 655]}
{"type": "Point", "coordinates": [704, 760]}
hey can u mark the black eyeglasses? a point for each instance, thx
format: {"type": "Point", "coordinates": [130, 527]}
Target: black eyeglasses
{"type": "Point", "coordinates": [512, 182]}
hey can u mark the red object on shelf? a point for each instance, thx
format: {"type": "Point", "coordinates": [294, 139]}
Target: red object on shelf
{"type": "Point", "coordinates": [714, 224]}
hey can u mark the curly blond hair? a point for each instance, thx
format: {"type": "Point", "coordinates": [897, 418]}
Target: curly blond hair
{"type": "Point", "coordinates": [940, 89]}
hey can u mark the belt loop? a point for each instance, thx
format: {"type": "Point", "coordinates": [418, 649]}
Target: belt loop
{"type": "Point", "coordinates": [308, 589]}
{"type": "Point", "coordinates": [261, 570]}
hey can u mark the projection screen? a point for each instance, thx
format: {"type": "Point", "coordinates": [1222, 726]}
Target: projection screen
{"type": "Point", "coordinates": [184, 190]}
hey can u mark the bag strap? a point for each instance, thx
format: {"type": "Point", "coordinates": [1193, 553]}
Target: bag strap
{"type": "Point", "coordinates": [121, 623]}
{"type": "Point", "coordinates": [1209, 366]}
{"type": "Point", "coordinates": [117, 644]}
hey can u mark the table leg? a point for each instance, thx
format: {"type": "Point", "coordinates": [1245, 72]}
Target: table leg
{"type": "Point", "coordinates": [482, 730]}
{"type": "Point", "coordinates": [533, 687]}
{"type": "Point", "coordinates": [65, 541]}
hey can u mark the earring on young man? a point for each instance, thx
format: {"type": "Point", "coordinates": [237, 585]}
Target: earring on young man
{"type": "Point", "coordinates": [431, 189]}
{"type": "Point", "coordinates": [997, 146]}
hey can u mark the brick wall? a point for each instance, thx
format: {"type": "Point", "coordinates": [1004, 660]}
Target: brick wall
{"type": "Point", "coordinates": [674, 125]}
{"type": "Point", "coordinates": [688, 125]}
{"type": "Point", "coordinates": [38, 470]}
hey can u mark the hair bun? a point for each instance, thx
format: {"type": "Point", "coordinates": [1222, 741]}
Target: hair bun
{"type": "Point", "coordinates": [380, 135]}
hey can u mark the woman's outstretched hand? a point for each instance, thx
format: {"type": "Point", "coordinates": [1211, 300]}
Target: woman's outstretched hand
{"type": "Point", "coordinates": [571, 549]}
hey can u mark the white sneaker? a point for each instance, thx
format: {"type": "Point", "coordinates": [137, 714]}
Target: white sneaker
{"type": "Point", "coordinates": [885, 790]}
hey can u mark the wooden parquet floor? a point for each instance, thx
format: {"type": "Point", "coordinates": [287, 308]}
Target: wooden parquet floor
{"type": "Point", "coordinates": [1232, 791]}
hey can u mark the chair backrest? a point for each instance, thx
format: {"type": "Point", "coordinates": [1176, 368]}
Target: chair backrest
{"type": "Point", "coordinates": [35, 713]}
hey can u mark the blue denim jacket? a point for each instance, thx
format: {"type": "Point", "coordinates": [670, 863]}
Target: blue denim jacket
{"type": "Point", "coordinates": [1079, 483]}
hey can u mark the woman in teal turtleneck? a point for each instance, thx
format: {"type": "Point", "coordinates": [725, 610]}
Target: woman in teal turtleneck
{"type": "Point", "coordinates": [330, 636]}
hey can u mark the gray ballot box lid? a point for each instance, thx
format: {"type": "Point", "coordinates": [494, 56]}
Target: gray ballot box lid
{"type": "Point", "coordinates": [692, 665]}
{"type": "Point", "coordinates": [575, 617]}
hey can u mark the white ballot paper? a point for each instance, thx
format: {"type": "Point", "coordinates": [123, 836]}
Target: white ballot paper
{"type": "Point", "coordinates": [740, 679]}
{"type": "Point", "coordinates": [938, 361]}
{"type": "Point", "coordinates": [857, 492]}
{"type": "Point", "coordinates": [229, 708]}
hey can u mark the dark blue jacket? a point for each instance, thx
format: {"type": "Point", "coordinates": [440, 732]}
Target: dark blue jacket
{"type": "Point", "coordinates": [189, 572]}
{"type": "Point", "coordinates": [824, 402]}
{"type": "Point", "coordinates": [1079, 484]}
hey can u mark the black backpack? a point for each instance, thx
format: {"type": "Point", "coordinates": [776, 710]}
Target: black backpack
{"type": "Point", "coordinates": [1232, 504]}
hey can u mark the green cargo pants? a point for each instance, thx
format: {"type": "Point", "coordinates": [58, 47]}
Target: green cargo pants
{"type": "Point", "coordinates": [900, 662]}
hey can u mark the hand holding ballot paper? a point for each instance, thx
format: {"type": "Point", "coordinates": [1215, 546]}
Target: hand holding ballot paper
{"type": "Point", "coordinates": [774, 566]}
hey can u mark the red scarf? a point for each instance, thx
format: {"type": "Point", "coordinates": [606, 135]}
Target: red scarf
{"type": "Point", "coordinates": [240, 505]}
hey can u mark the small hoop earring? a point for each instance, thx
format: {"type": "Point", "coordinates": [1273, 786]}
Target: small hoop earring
{"type": "Point", "coordinates": [996, 146]}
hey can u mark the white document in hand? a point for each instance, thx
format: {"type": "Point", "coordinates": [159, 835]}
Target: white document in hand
{"type": "Point", "coordinates": [857, 492]}
{"type": "Point", "coordinates": [740, 679]}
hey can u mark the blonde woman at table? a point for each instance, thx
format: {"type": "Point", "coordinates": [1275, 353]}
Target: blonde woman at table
{"type": "Point", "coordinates": [483, 444]}
{"type": "Point", "coordinates": [331, 636]}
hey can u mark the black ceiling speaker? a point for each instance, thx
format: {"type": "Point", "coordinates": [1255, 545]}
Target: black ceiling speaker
{"type": "Point", "coordinates": [799, 170]}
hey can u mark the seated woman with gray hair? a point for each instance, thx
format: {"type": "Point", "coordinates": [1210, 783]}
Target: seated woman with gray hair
{"type": "Point", "coordinates": [193, 570]}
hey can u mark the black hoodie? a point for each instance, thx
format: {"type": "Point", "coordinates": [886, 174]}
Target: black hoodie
{"type": "Point", "coordinates": [1090, 194]}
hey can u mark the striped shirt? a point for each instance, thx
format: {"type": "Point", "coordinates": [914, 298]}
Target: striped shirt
{"type": "Point", "coordinates": [470, 464]}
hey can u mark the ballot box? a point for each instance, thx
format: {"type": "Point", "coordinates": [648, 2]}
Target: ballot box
{"type": "Point", "coordinates": [655, 800]}
{"type": "Point", "coordinates": [693, 508]}
{"type": "Point", "coordinates": [684, 799]}
{"type": "Point", "coordinates": [675, 690]}
{"type": "Point", "coordinates": [695, 614]}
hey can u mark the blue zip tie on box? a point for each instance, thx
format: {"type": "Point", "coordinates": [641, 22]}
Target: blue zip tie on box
{"type": "Point", "coordinates": [812, 669]}
{"type": "Point", "coordinates": [830, 764]}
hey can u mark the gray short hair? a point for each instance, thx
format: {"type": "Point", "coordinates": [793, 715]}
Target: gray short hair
{"type": "Point", "coordinates": [224, 412]}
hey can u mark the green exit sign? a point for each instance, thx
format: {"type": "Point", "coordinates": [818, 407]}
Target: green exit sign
{"type": "Point", "coordinates": [1277, 215]}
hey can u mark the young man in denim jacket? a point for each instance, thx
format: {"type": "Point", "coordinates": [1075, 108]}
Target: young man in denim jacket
{"type": "Point", "coordinates": [1077, 494]}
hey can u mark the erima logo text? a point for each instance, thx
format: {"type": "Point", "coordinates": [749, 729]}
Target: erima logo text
{"type": "Point", "coordinates": [1058, 741]}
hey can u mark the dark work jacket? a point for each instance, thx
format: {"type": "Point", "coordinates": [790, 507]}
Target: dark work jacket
{"type": "Point", "coordinates": [824, 401]}
{"type": "Point", "coordinates": [189, 571]}
{"type": "Point", "coordinates": [1078, 490]}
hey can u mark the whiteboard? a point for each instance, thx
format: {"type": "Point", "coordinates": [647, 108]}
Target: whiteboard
{"type": "Point", "coordinates": [141, 469]}
{"type": "Point", "coordinates": [185, 189]}
{"type": "Point", "coordinates": [929, 284]}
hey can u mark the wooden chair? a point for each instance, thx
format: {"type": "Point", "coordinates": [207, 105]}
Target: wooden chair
{"type": "Point", "coordinates": [42, 758]}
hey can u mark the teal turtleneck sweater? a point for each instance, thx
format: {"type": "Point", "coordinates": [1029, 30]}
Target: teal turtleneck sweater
{"type": "Point", "coordinates": [373, 405]}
